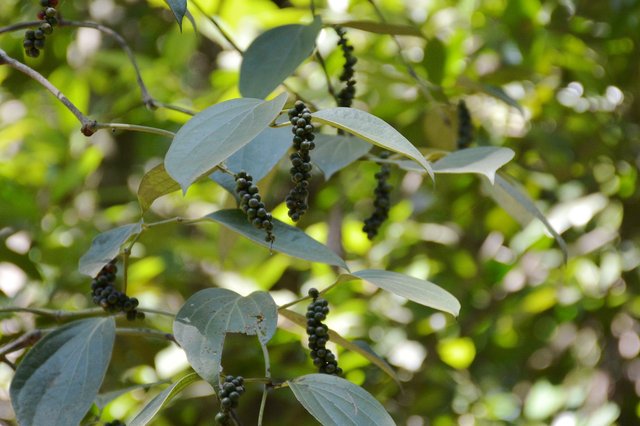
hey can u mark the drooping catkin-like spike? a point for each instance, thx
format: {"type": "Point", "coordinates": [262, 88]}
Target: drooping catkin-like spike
{"type": "Point", "coordinates": [34, 40]}
{"type": "Point", "coordinates": [106, 296]}
{"type": "Point", "coordinates": [252, 206]}
{"type": "Point", "coordinates": [465, 126]}
{"type": "Point", "coordinates": [346, 95]}
{"type": "Point", "coordinates": [382, 202]}
{"type": "Point", "coordinates": [300, 171]}
{"type": "Point", "coordinates": [318, 334]}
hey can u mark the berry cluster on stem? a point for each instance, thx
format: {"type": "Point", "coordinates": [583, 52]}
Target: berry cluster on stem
{"type": "Point", "coordinates": [382, 202]}
{"type": "Point", "coordinates": [318, 334]}
{"type": "Point", "coordinates": [34, 40]}
{"type": "Point", "coordinates": [465, 126]}
{"type": "Point", "coordinates": [230, 392]}
{"type": "Point", "coordinates": [296, 200]}
{"type": "Point", "coordinates": [346, 95]}
{"type": "Point", "coordinates": [252, 206]}
{"type": "Point", "coordinates": [105, 294]}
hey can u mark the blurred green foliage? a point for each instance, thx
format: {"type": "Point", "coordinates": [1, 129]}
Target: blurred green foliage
{"type": "Point", "coordinates": [537, 342]}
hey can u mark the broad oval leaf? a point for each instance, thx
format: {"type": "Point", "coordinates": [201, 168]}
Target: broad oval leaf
{"type": "Point", "coordinates": [335, 152]}
{"type": "Point", "coordinates": [162, 399]}
{"type": "Point", "coordinates": [179, 9]}
{"type": "Point", "coordinates": [213, 135]}
{"type": "Point", "coordinates": [206, 317]}
{"type": "Point", "coordinates": [333, 400]}
{"type": "Point", "coordinates": [372, 129]}
{"type": "Point", "coordinates": [414, 289]}
{"type": "Point", "coordinates": [257, 157]}
{"type": "Point", "coordinates": [105, 247]}
{"type": "Point", "coordinates": [383, 28]}
{"type": "Point", "coordinates": [289, 240]}
{"type": "Point", "coordinates": [59, 378]}
{"type": "Point", "coordinates": [485, 160]}
{"type": "Point", "coordinates": [521, 207]}
{"type": "Point", "coordinates": [301, 320]}
{"type": "Point", "coordinates": [274, 55]}
{"type": "Point", "coordinates": [154, 184]}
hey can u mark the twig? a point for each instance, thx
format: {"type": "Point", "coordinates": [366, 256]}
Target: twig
{"type": "Point", "coordinates": [24, 341]}
{"type": "Point", "coordinates": [156, 311]}
{"type": "Point", "coordinates": [145, 332]}
{"type": "Point", "coordinates": [267, 374]}
{"type": "Point", "coordinates": [327, 76]}
{"type": "Point", "coordinates": [133, 128]}
{"type": "Point", "coordinates": [57, 314]}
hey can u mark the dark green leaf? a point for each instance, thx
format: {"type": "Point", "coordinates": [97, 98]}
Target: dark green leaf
{"type": "Point", "coordinates": [206, 317]}
{"type": "Point", "coordinates": [289, 240]}
{"type": "Point", "coordinates": [485, 160]}
{"type": "Point", "coordinates": [58, 380]}
{"type": "Point", "coordinates": [382, 28]}
{"type": "Point", "coordinates": [335, 152]}
{"type": "Point", "coordinates": [154, 184]}
{"type": "Point", "coordinates": [179, 9]}
{"type": "Point", "coordinates": [499, 93]}
{"type": "Point", "coordinates": [333, 400]}
{"type": "Point", "coordinates": [275, 55]}
{"type": "Point", "coordinates": [521, 207]}
{"type": "Point", "coordinates": [162, 399]}
{"type": "Point", "coordinates": [435, 59]}
{"type": "Point", "coordinates": [105, 247]}
{"type": "Point", "coordinates": [257, 157]}
{"type": "Point", "coordinates": [216, 133]}
{"type": "Point", "coordinates": [372, 129]}
{"type": "Point", "coordinates": [415, 289]}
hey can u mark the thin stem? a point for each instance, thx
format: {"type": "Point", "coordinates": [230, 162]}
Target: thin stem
{"type": "Point", "coordinates": [19, 26]}
{"type": "Point", "coordinates": [57, 314]}
{"type": "Point", "coordinates": [156, 311]}
{"type": "Point", "coordinates": [215, 23]}
{"type": "Point", "coordinates": [134, 128]}
{"type": "Point", "coordinates": [332, 92]}
{"type": "Point", "coordinates": [312, 5]}
{"type": "Point", "coordinates": [175, 108]}
{"type": "Point", "coordinates": [125, 267]}
{"type": "Point", "coordinates": [267, 374]}
{"type": "Point", "coordinates": [145, 332]}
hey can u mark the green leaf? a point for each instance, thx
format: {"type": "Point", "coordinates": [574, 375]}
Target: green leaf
{"type": "Point", "coordinates": [335, 152]}
{"type": "Point", "coordinates": [301, 320]}
{"type": "Point", "coordinates": [179, 9]}
{"type": "Point", "coordinates": [485, 160]}
{"type": "Point", "coordinates": [521, 207]}
{"type": "Point", "coordinates": [499, 93]}
{"type": "Point", "coordinates": [274, 55]}
{"type": "Point", "coordinates": [257, 157]}
{"type": "Point", "coordinates": [415, 289]}
{"type": "Point", "coordinates": [103, 399]}
{"type": "Point", "coordinates": [289, 240]}
{"type": "Point", "coordinates": [333, 400]}
{"type": "Point", "coordinates": [435, 60]}
{"type": "Point", "coordinates": [206, 317]}
{"type": "Point", "coordinates": [382, 28]}
{"type": "Point", "coordinates": [105, 247]}
{"type": "Point", "coordinates": [213, 135]}
{"type": "Point", "coordinates": [372, 129]}
{"type": "Point", "coordinates": [162, 399]}
{"type": "Point", "coordinates": [59, 378]}
{"type": "Point", "coordinates": [154, 184]}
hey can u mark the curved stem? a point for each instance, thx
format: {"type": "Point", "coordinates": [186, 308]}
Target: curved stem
{"type": "Point", "coordinates": [133, 128]}
{"type": "Point", "coordinates": [267, 374]}
{"type": "Point", "coordinates": [332, 92]}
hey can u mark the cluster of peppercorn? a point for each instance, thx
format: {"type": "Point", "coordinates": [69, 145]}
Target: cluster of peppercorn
{"type": "Point", "coordinates": [318, 334]}
{"type": "Point", "coordinates": [346, 95]}
{"type": "Point", "coordinates": [250, 203]}
{"type": "Point", "coordinates": [111, 300]}
{"type": "Point", "coordinates": [381, 203]}
{"type": "Point", "coordinates": [296, 201]}
{"type": "Point", "coordinates": [34, 39]}
{"type": "Point", "coordinates": [465, 126]}
{"type": "Point", "coordinates": [115, 423]}
{"type": "Point", "coordinates": [230, 392]}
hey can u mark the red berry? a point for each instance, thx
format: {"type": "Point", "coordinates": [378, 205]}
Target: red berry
{"type": "Point", "coordinates": [53, 3]}
{"type": "Point", "coordinates": [41, 15]}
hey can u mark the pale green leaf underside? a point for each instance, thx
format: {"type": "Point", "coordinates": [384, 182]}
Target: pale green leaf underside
{"type": "Point", "coordinates": [213, 135]}
{"type": "Point", "coordinates": [335, 152]}
{"type": "Point", "coordinates": [207, 316]}
{"type": "Point", "coordinates": [289, 240]}
{"type": "Point", "coordinates": [105, 247]}
{"type": "Point", "coordinates": [333, 400]}
{"type": "Point", "coordinates": [59, 378]}
{"type": "Point", "coordinates": [154, 184]}
{"type": "Point", "coordinates": [161, 400]}
{"type": "Point", "coordinates": [274, 55]}
{"type": "Point", "coordinates": [373, 130]}
{"type": "Point", "coordinates": [485, 160]}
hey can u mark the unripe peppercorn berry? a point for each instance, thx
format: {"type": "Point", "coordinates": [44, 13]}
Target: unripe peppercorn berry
{"type": "Point", "coordinates": [317, 332]}
{"type": "Point", "coordinates": [105, 294]}
{"type": "Point", "coordinates": [465, 126]}
{"type": "Point", "coordinates": [250, 203]}
{"type": "Point", "coordinates": [381, 203]}
{"type": "Point", "coordinates": [296, 200]}
{"type": "Point", "coordinates": [346, 95]}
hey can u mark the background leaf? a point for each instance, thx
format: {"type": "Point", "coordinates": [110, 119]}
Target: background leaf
{"type": "Point", "coordinates": [382, 28]}
{"type": "Point", "coordinates": [333, 400]}
{"type": "Point", "coordinates": [161, 400]}
{"type": "Point", "coordinates": [103, 399]}
{"type": "Point", "coordinates": [521, 207]}
{"type": "Point", "coordinates": [373, 130]}
{"type": "Point", "coordinates": [485, 160]}
{"type": "Point", "coordinates": [435, 59]}
{"type": "Point", "coordinates": [179, 9]}
{"type": "Point", "coordinates": [335, 152]}
{"type": "Point", "coordinates": [257, 157]}
{"type": "Point", "coordinates": [59, 378]}
{"type": "Point", "coordinates": [154, 184]}
{"type": "Point", "coordinates": [289, 240]}
{"type": "Point", "coordinates": [213, 135]}
{"type": "Point", "coordinates": [105, 247]}
{"type": "Point", "coordinates": [274, 55]}
{"type": "Point", "coordinates": [415, 289]}
{"type": "Point", "coordinates": [206, 317]}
